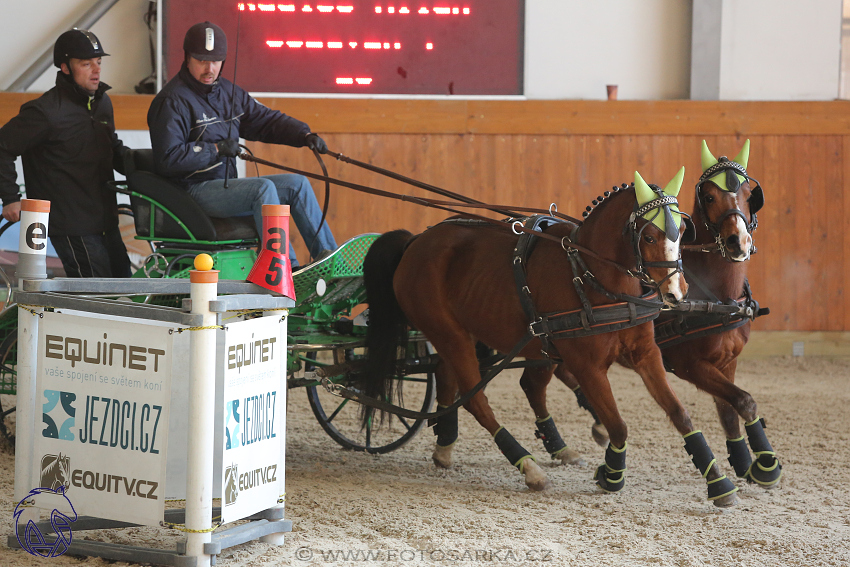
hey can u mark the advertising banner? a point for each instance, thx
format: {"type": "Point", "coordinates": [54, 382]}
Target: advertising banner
{"type": "Point", "coordinates": [253, 423]}
{"type": "Point", "coordinates": [104, 390]}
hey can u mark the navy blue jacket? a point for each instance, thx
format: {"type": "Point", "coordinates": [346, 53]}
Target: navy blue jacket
{"type": "Point", "coordinates": [187, 118]}
{"type": "Point", "coordinates": [69, 148]}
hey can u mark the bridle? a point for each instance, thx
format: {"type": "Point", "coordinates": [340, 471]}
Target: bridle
{"type": "Point", "coordinates": [636, 234]}
{"type": "Point", "coordinates": [733, 184]}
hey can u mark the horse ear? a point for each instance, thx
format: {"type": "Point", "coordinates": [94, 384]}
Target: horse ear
{"type": "Point", "coordinates": [744, 155]}
{"type": "Point", "coordinates": [675, 184]}
{"type": "Point", "coordinates": [707, 159]}
{"type": "Point", "coordinates": [642, 191]}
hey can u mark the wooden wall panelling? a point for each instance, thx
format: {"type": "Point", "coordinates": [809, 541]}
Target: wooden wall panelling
{"type": "Point", "coordinates": [844, 188]}
{"type": "Point", "coordinates": [829, 200]}
{"type": "Point", "coordinates": [537, 152]}
{"type": "Point", "coordinates": [798, 235]}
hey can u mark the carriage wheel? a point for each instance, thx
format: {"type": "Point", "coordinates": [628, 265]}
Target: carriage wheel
{"type": "Point", "coordinates": [8, 380]}
{"type": "Point", "coordinates": [340, 417]}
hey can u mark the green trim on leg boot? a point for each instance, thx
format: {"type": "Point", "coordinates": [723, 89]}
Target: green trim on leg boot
{"type": "Point", "coordinates": [739, 456]}
{"type": "Point", "coordinates": [548, 433]}
{"type": "Point", "coordinates": [703, 459]}
{"type": "Point", "coordinates": [766, 470]}
{"type": "Point", "coordinates": [610, 476]}
{"type": "Point", "coordinates": [511, 448]}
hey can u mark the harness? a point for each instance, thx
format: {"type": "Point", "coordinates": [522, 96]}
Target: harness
{"type": "Point", "coordinates": [625, 311]}
{"type": "Point", "coordinates": [712, 319]}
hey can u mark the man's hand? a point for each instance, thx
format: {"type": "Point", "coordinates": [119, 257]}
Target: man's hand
{"type": "Point", "coordinates": [228, 147]}
{"type": "Point", "coordinates": [12, 211]}
{"type": "Point", "coordinates": [314, 142]}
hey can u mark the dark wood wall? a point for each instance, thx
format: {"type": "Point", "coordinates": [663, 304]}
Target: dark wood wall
{"type": "Point", "coordinates": [534, 153]}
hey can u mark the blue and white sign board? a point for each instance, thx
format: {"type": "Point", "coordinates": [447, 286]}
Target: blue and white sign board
{"type": "Point", "coordinates": [104, 391]}
{"type": "Point", "coordinates": [254, 402]}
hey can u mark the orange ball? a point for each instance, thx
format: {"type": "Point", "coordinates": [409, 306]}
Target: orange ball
{"type": "Point", "coordinates": [203, 262]}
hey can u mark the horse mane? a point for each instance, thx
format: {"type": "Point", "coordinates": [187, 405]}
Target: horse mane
{"type": "Point", "coordinates": [600, 201]}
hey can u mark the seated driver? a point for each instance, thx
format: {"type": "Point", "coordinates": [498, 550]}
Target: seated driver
{"type": "Point", "coordinates": [194, 144]}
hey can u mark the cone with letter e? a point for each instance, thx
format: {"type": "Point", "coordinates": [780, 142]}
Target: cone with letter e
{"type": "Point", "coordinates": [272, 269]}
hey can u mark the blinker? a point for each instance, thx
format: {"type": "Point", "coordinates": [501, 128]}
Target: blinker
{"type": "Point", "coordinates": [756, 199]}
{"type": "Point", "coordinates": [733, 183]}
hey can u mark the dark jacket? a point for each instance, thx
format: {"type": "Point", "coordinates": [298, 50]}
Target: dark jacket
{"type": "Point", "coordinates": [187, 118]}
{"type": "Point", "coordinates": [69, 148]}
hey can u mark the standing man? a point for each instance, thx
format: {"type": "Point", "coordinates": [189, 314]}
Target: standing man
{"type": "Point", "coordinates": [69, 148]}
{"type": "Point", "coordinates": [195, 123]}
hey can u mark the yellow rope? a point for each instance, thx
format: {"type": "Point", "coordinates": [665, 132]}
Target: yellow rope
{"type": "Point", "coordinates": [182, 329]}
{"type": "Point", "coordinates": [26, 307]}
{"type": "Point", "coordinates": [183, 528]}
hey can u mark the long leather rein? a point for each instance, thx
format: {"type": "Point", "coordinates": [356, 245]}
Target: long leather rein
{"type": "Point", "coordinates": [454, 206]}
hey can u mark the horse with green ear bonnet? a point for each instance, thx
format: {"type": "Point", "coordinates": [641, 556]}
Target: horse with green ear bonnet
{"type": "Point", "coordinates": [660, 207]}
{"type": "Point", "coordinates": [729, 175]}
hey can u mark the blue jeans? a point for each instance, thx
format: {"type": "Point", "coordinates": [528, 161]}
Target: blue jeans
{"type": "Point", "coordinates": [247, 196]}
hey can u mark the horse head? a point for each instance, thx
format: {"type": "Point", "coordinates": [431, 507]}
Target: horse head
{"type": "Point", "coordinates": [727, 203]}
{"type": "Point", "coordinates": [657, 228]}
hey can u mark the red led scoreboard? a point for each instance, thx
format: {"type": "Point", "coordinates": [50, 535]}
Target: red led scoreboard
{"type": "Point", "coordinates": [460, 47]}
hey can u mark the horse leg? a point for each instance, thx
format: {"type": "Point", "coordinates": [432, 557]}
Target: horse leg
{"type": "Point", "coordinates": [458, 352]}
{"type": "Point", "coordinates": [647, 362]}
{"type": "Point", "coordinates": [766, 471]}
{"type": "Point", "coordinates": [610, 476]}
{"type": "Point", "coordinates": [736, 443]}
{"type": "Point", "coordinates": [597, 430]}
{"type": "Point", "coordinates": [533, 382]}
{"type": "Point", "coordinates": [445, 426]}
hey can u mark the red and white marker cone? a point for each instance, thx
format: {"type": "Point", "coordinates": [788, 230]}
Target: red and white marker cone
{"type": "Point", "coordinates": [272, 270]}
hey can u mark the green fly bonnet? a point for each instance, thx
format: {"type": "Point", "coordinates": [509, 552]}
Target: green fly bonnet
{"type": "Point", "coordinates": [660, 206]}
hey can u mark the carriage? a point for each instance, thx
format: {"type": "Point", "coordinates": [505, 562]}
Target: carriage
{"type": "Point", "coordinates": [327, 329]}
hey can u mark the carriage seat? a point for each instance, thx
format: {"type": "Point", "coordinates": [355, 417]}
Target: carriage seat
{"type": "Point", "coordinates": [161, 198]}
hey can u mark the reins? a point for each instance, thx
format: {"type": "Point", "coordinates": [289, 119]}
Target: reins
{"type": "Point", "coordinates": [452, 207]}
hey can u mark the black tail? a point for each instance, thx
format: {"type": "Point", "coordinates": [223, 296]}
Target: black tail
{"type": "Point", "coordinates": [387, 330]}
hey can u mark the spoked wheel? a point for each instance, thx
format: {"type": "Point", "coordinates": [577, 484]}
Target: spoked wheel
{"type": "Point", "coordinates": [8, 381]}
{"type": "Point", "coordinates": [340, 417]}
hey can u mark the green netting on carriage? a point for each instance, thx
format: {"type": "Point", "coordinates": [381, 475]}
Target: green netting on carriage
{"type": "Point", "coordinates": [345, 263]}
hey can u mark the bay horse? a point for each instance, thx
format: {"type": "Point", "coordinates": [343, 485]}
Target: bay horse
{"type": "Point", "coordinates": [725, 211]}
{"type": "Point", "coordinates": [703, 349]}
{"type": "Point", "coordinates": [455, 283]}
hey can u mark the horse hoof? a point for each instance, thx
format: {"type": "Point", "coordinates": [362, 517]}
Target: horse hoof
{"type": "Point", "coordinates": [599, 434]}
{"type": "Point", "coordinates": [569, 456]}
{"type": "Point", "coordinates": [442, 457]}
{"type": "Point", "coordinates": [726, 501]}
{"type": "Point", "coordinates": [535, 478]}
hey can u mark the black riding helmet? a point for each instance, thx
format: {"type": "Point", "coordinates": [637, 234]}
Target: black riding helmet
{"type": "Point", "coordinates": [79, 44]}
{"type": "Point", "coordinates": [206, 42]}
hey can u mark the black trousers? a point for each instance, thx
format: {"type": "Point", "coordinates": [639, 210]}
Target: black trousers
{"type": "Point", "coordinates": [94, 256]}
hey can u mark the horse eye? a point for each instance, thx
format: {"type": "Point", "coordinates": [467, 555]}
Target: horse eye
{"type": "Point", "coordinates": [709, 198]}
{"type": "Point", "coordinates": [648, 239]}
